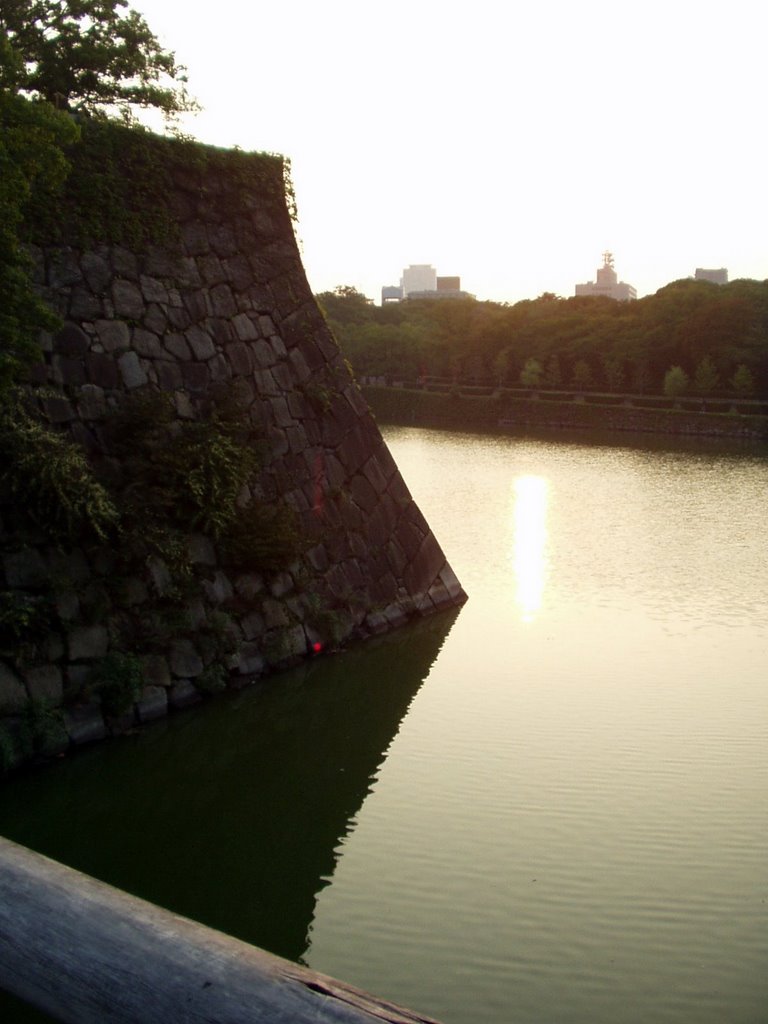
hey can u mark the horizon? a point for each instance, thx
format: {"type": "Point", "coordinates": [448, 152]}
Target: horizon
{"type": "Point", "coordinates": [510, 148]}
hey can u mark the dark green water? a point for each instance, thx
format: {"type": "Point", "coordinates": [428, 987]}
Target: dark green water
{"type": "Point", "coordinates": [549, 806]}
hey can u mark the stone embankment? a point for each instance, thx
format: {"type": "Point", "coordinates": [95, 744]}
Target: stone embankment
{"type": "Point", "coordinates": [512, 411]}
{"type": "Point", "coordinates": [225, 308]}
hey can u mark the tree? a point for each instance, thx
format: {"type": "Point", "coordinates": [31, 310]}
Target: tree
{"type": "Point", "coordinates": [613, 371]}
{"type": "Point", "coordinates": [706, 378]}
{"type": "Point", "coordinates": [742, 382]}
{"type": "Point", "coordinates": [582, 374]}
{"type": "Point", "coordinates": [553, 376]}
{"type": "Point", "coordinates": [93, 57]}
{"type": "Point", "coordinates": [675, 382]}
{"type": "Point", "coordinates": [531, 374]}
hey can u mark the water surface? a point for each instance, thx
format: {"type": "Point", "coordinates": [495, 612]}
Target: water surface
{"type": "Point", "coordinates": [549, 806]}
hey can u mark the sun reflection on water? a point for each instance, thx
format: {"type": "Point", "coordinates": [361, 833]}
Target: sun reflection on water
{"type": "Point", "coordinates": [529, 558]}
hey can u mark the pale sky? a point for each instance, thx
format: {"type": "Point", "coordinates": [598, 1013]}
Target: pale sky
{"type": "Point", "coordinates": [509, 143]}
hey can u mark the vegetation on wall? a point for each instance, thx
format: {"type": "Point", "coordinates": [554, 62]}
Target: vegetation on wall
{"type": "Point", "coordinates": [32, 137]}
{"type": "Point", "coordinates": [46, 480]}
{"type": "Point", "coordinates": [717, 335]}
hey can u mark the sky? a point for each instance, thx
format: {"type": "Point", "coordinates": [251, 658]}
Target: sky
{"type": "Point", "coordinates": [510, 143]}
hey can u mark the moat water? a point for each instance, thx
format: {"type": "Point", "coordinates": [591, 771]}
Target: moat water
{"type": "Point", "coordinates": [551, 805]}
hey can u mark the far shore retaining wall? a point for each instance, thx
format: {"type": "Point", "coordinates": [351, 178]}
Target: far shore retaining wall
{"type": "Point", "coordinates": [427, 408]}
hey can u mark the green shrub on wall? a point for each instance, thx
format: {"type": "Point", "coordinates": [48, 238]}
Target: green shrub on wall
{"type": "Point", "coordinates": [47, 479]}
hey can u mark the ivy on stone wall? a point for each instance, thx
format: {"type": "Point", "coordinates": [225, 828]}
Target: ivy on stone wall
{"type": "Point", "coordinates": [121, 179]}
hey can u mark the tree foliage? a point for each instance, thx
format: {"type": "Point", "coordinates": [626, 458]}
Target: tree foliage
{"type": "Point", "coordinates": [586, 342]}
{"type": "Point", "coordinates": [31, 139]}
{"type": "Point", "coordinates": [93, 56]}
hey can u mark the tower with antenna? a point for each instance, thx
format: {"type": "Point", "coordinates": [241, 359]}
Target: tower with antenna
{"type": "Point", "coordinates": [607, 283]}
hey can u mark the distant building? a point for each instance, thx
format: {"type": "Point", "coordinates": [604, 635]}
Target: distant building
{"type": "Point", "coordinates": [420, 281]}
{"type": "Point", "coordinates": [449, 284]}
{"type": "Point", "coordinates": [607, 283]}
{"type": "Point", "coordinates": [419, 277]}
{"type": "Point", "coordinates": [715, 276]}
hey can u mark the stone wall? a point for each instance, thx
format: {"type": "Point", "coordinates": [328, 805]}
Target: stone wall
{"type": "Point", "coordinates": [226, 307]}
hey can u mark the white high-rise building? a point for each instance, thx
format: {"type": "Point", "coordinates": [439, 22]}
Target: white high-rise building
{"type": "Point", "coordinates": [419, 277]}
{"type": "Point", "coordinates": [607, 283]}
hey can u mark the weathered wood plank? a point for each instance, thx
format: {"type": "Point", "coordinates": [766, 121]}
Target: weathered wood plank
{"type": "Point", "coordinates": [85, 952]}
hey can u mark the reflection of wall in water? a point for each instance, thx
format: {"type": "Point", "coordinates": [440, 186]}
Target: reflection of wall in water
{"type": "Point", "coordinates": [234, 817]}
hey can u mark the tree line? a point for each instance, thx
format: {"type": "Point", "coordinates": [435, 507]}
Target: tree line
{"type": "Point", "coordinates": [690, 336]}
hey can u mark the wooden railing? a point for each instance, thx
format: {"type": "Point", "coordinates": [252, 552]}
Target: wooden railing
{"type": "Point", "coordinates": [84, 953]}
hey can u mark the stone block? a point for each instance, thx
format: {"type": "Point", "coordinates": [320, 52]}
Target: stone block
{"type": "Point", "coordinates": [71, 340]}
{"type": "Point", "coordinates": [299, 363]}
{"type": "Point", "coordinates": [451, 583]}
{"type": "Point", "coordinates": [160, 575]}
{"type": "Point", "coordinates": [25, 568]}
{"type": "Point", "coordinates": [200, 342]}
{"type": "Point", "coordinates": [274, 614]}
{"type": "Point", "coordinates": [251, 661]}
{"type": "Point", "coordinates": [362, 493]}
{"type": "Point", "coordinates": [124, 263]}
{"type": "Point", "coordinates": [131, 370]}
{"type": "Point", "coordinates": [200, 550]}
{"type": "Point", "coordinates": [169, 376]}
{"type": "Point", "coordinates": [239, 356]}
{"type": "Point", "coordinates": [153, 290]}
{"type": "Point", "coordinates": [222, 301]}
{"type": "Point", "coordinates": [249, 585]}
{"type": "Point", "coordinates": [219, 589]}
{"type": "Point", "coordinates": [84, 305]}
{"type": "Point", "coordinates": [263, 355]}
{"type": "Point", "coordinates": [85, 724]}
{"type": "Point", "coordinates": [53, 647]}
{"type": "Point", "coordinates": [239, 273]}
{"type": "Point", "coordinates": [183, 693]}
{"type": "Point", "coordinates": [195, 238]}
{"type": "Point", "coordinates": [196, 305]}
{"type": "Point", "coordinates": [222, 238]}
{"type": "Point", "coordinates": [96, 271]}
{"type": "Point", "coordinates": [177, 345]}
{"type": "Point", "coordinates": [211, 269]}
{"type": "Point", "coordinates": [155, 670]}
{"type": "Point", "coordinates": [102, 370]}
{"type": "Point", "coordinates": [127, 300]}
{"type": "Point", "coordinates": [196, 376]}
{"type": "Point", "coordinates": [13, 694]}
{"type": "Point", "coordinates": [160, 263]}
{"type": "Point", "coordinates": [376, 622]}
{"type": "Point", "coordinates": [87, 643]}
{"type": "Point", "coordinates": [219, 368]}
{"type": "Point", "coordinates": [147, 344]}
{"type": "Point", "coordinates": [221, 330]}
{"type": "Point", "coordinates": [184, 660]}
{"type": "Point", "coordinates": [281, 412]}
{"type": "Point", "coordinates": [152, 703]}
{"type": "Point", "coordinates": [281, 584]}
{"type": "Point", "coordinates": [63, 269]}
{"type": "Point", "coordinates": [67, 605]}
{"type": "Point", "coordinates": [425, 567]}
{"type": "Point", "coordinates": [113, 334]}
{"type": "Point", "coordinates": [178, 317]}
{"type": "Point", "coordinates": [45, 683]}
{"type": "Point", "coordinates": [68, 370]}
{"type": "Point", "coordinates": [155, 319]}
{"type": "Point", "coordinates": [253, 626]}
